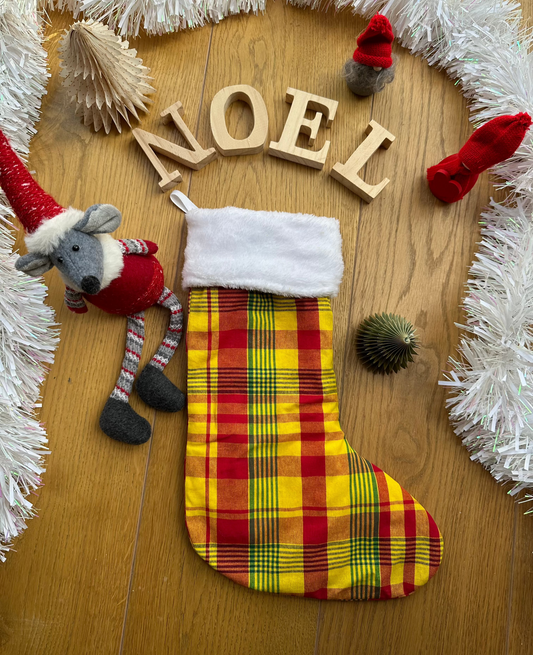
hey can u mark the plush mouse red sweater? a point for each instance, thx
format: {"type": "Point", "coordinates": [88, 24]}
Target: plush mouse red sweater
{"type": "Point", "coordinates": [137, 287]}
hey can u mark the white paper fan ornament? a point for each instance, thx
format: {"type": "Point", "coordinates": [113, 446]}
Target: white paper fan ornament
{"type": "Point", "coordinates": [105, 79]}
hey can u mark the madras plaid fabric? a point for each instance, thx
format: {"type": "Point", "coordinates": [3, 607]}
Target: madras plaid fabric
{"type": "Point", "coordinates": [276, 499]}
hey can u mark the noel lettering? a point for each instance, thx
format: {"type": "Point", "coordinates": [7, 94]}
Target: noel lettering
{"type": "Point", "coordinates": [196, 157]}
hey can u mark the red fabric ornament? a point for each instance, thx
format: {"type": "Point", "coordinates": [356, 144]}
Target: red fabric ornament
{"type": "Point", "coordinates": [30, 203]}
{"type": "Point", "coordinates": [374, 45]}
{"type": "Point", "coordinates": [452, 178]}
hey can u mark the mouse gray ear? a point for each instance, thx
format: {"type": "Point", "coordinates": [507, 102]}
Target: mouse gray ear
{"type": "Point", "coordinates": [34, 264]}
{"type": "Point", "coordinates": [99, 219]}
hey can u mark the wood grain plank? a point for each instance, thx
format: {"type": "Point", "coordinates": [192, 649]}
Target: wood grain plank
{"type": "Point", "coordinates": [65, 589]}
{"type": "Point", "coordinates": [193, 608]}
{"type": "Point", "coordinates": [412, 258]}
{"type": "Point", "coordinates": [520, 611]}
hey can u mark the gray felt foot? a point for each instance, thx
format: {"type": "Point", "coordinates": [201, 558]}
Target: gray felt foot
{"type": "Point", "coordinates": [120, 422]}
{"type": "Point", "coordinates": [158, 391]}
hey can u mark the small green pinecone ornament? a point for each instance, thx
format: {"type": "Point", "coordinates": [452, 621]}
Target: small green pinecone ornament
{"type": "Point", "coordinates": [386, 343]}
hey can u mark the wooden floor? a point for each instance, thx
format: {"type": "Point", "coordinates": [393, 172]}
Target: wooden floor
{"type": "Point", "coordinates": [107, 567]}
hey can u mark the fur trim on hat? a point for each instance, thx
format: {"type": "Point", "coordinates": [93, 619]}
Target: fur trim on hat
{"type": "Point", "coordinates": [48, 235]}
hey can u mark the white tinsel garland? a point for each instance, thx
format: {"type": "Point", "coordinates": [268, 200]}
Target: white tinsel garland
{"type": "Point", "coordinates": [492, 399]}
{"type": "Point", "coordinates": [27, 335]}
{"type": "Point", "coordinates": [155, 16]}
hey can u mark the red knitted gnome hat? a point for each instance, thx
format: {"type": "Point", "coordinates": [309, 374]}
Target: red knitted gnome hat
{"type": "Point", "coordinates": [492, 143]}
{"type": "Point", "coordinates": [43, 219]}
{"type": "Point", "coordinates": [374, 45]}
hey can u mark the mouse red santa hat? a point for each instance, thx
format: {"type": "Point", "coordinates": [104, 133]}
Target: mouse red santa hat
{"type": "Point", "coordinates": [374, 45]}
{"type": "Point", "coordinates": [44, 220]}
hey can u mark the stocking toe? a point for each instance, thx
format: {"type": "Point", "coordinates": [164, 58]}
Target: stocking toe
{"type": "Point", "coordinates": [410, 543]}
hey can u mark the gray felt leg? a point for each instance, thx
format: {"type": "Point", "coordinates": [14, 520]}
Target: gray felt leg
{"type": "Point", "coordinates": [153, 386]}
{"type": "Point", "coordinates": [118, 420]}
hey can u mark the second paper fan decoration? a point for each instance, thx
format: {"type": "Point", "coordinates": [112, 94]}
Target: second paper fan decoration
{"type": "Point", "coordinates": [106, 80]}
{"type": "Point", "coordinates": [386, 343]}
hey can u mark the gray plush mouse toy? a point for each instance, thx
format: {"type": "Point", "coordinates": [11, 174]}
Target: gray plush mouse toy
{"type": "Point", "coordinates": [372, 66]}
{"type": "Point", "coordinates": [119, 276]}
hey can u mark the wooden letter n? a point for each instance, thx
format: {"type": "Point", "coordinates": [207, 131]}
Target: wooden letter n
{"type": "Point", "coordinates": [195, 158]}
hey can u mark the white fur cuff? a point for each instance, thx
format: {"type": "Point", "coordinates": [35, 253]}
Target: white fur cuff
{"type": "Point", "coordinates": [48, 235]}
{"type": "Point", "coordinates": [275, 252]}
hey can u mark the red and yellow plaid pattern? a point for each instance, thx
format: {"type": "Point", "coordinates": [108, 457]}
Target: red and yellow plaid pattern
{"type": "Point", "coordinates": [276, 499]}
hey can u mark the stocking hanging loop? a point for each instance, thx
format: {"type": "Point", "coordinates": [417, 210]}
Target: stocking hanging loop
{"type": "Point", "coordinates": [182, 202]}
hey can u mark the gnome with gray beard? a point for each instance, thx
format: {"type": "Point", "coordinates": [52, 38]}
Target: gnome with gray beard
{"type": "Point", "coordinates": [372, 66]}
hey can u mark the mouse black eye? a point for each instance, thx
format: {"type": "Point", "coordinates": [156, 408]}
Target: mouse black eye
{"type": "Point", "coordinates": [75, 248]}
{"type": "Point", "coordinates": [60, 260]}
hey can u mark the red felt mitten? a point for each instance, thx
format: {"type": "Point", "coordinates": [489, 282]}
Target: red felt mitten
{"type": "Point", "coordinates": [152, 247]}
{"type": "Point", "coordinates": [78, 310]}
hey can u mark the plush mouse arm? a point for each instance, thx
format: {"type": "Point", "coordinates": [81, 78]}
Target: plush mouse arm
{"type": "Point", "coordinates": [74, 301]}
{"type": "Point", "coordinates": [137, 247]}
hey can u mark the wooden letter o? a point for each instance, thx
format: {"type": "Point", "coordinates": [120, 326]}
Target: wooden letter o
{"type": "Point", "coordinates": [256, 140]}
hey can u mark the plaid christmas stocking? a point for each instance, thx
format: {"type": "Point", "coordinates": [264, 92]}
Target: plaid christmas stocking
{"type": "Point", "coordinates": [276, 499]}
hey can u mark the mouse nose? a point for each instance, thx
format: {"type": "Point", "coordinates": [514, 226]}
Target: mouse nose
{"type": "Point", "coordinates": [90, 284]}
